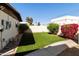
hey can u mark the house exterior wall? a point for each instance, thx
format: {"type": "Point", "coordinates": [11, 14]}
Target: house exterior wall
{"type": "Point", "coordinates": [8, 33]}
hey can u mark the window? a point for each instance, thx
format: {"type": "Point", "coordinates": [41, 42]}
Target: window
{"type": "Point", "coordinates": [7, 24]}
{"type": "Point", "coordinates": [3, 39]}
{"type": "Point", "coordinates": [16, 25]}
{"type": "Point", "coordinates": [2, 22]}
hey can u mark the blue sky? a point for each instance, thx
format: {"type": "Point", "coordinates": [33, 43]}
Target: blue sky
{"type": "Point", "coordinates": [44, 12]}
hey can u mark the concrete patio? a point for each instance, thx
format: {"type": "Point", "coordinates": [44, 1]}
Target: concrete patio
{"type": "Point", "coordinates": [54, 49]}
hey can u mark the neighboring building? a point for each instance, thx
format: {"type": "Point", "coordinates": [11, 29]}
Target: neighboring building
{"type": "Point", "coordinates": [9, 20]}
{"type": "Point", "coordinates": [65, 20]}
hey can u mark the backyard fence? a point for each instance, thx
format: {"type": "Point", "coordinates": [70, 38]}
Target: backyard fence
{"type": "Point", "coordinates": [38, 29]}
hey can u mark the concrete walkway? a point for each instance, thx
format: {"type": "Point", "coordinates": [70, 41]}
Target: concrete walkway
{"type": "Point", "coordinates": [54, 49]}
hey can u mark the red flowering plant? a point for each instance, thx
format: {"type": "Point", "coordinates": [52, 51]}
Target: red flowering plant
{"type": "Point", "coordinates": [69, 30]}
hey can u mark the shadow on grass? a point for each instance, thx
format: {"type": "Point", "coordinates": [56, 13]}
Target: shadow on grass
{"type": "Point", "coordinates": [26, 39]}
{"type": "Point", "coordinates": [24, 53]}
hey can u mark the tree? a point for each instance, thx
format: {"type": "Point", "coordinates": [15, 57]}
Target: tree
{"type": "Point", "coordinates": [29, 20]}
{"type": "Point", "coordinates": [39, 24]}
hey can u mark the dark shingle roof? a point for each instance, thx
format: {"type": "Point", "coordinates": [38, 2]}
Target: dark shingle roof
{"type": "Point", "coordinates": [16, 13]}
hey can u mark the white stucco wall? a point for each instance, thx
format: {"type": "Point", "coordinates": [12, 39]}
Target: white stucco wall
{"type": "Point", "coordinates": [38, 29]}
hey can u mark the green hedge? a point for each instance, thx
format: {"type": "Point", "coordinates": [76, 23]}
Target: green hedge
{"type": "Point", "coordinates": [53, 28]}
{"type": "Point", "coordinates": [22, 28]}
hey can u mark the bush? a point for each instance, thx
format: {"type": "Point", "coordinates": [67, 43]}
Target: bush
{"type": "Point", "coordinates": [22, 28]}
{"type": "Point", "coordinates": [69, 30]}
{"type": "Point", "coordinates": [53, 28]}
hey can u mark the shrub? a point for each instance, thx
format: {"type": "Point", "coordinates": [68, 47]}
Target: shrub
{"type": "Point", "coordinates": [22, 28]}
{"type": "Point", "coordinates": [69, 30]}
{"type": "Point", "coordinates": [53, 28]}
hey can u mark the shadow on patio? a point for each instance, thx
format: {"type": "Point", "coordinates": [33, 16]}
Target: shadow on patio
{"type": "Point", "coordinates": [74, 51]}
{"type": "Point", "coordinates": [49, 51]}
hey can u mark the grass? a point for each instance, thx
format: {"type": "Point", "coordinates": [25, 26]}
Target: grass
{"type": "Point", "coordinates": [41, 40]}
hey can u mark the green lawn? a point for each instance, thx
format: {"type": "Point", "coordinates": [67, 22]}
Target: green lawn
{"type": "Point", "coordinates": [41, 40]}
